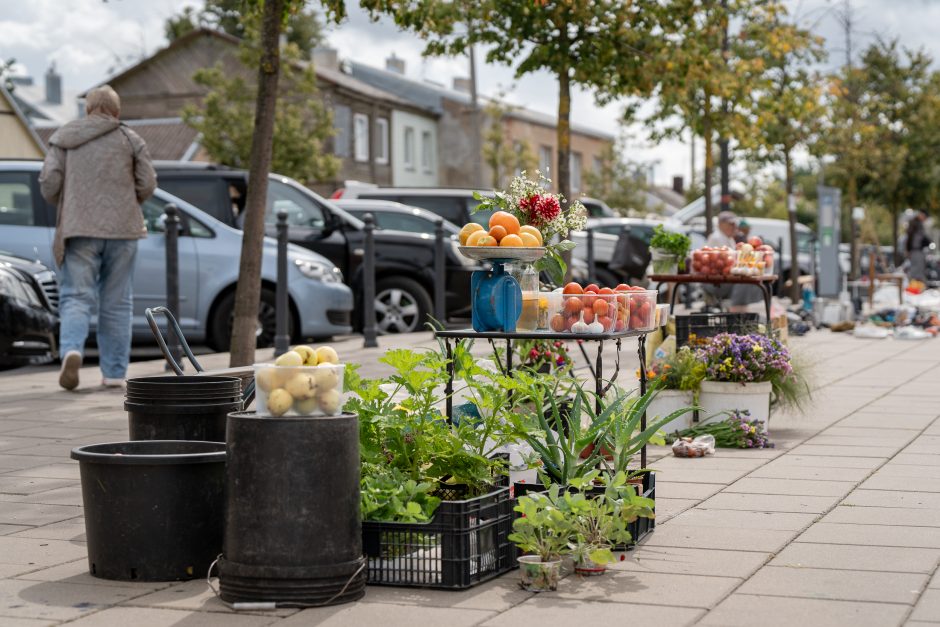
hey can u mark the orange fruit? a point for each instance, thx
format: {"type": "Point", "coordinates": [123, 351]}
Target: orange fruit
{"type": "Point", "coordinates": [498, 232]}
{"type": "Point", "coordinates": [511, 240]}
{"type": "Point", "coordinates": [528, 239]}
{"type": "Point", "coordinates": [474, 238]}
{"type": "Point", "coordinates": [468, 229]}
{"type": "Point", "coordinates": [531, 230]}
{"type": "Point", "coordinates": [488, 240]}
{"type": "Point", "coordinates": [505, 220]}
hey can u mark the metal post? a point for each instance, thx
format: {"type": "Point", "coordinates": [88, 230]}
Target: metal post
{"type": "Point", "coordinates": [171, 227]}
{"type": "Point", "coordinates": [368, 284]}
{"type": "Point", "coordinates": [590, 255]}
{"type": "Point", "coordinates": [281, 334]}
{"type": "Point", "coordinates": [440, 259]}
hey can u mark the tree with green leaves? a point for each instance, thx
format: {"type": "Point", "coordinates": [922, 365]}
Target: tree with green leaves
{"type": "Point", "coordinates": [504, 157]}
{"type": "Point", "coordinates": [621, 183]}
{"type": "Point", "coordinates": [787, 107]}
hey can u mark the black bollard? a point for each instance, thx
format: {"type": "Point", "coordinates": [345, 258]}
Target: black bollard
{"type": "Point", "coordinates": [590, 255]}
{"type": "Point", "coordinates": [440, 259]}
{"type": "Point", "coordinates": [368, 284]}
{"type": "Point", "coordinates": [281, 335]}
{"type": "Point", "coordinates": [171, 226]}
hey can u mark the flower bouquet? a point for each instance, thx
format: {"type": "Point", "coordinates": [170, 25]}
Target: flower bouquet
{"type": "Point", "coordinates": [738, 431]}
{"type": "Point", "coordinates": [531, 205]}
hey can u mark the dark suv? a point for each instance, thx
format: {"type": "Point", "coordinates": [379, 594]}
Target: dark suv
{"type": "Point", "coordinates": [404, 262]}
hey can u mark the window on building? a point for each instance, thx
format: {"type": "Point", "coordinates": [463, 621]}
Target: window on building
{"type": "Point", "coordinates": [598, 165]}
{"type": "Point", "coordinates": [409, 145]}
{"type": "Point", "coordinates": [427, 152]}
{"type": "Point", "coordinates": [361, 137]}
{"type": "Point", "coordinates": [341, 117]}
{"type": "Point", "coordinates": [545, 160]}
{"type": "Point", "coordinates": [575, 167]}
{"type": "Point", "coordinates": [381, 140]}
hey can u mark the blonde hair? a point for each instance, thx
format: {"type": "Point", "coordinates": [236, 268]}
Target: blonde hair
{"type": "Point", "coordinates": [103, 99]}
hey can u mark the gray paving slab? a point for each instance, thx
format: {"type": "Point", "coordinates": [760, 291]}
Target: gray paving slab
{"type": "Point", "coordinates": [746, 610]}
{"type": "Point", "coordinates": [817, 461]}
{"type": "Point", "coordinates": [793, 487]}
{"type": "Point", "coordinates": [894, 498]}
{"type": "Point", "coordinates": [893, 469]}
{"type": "Point", "coordinates": [35, 514]}
{"type": "Point", "coordinates": [691, 561]}
{"type": "Point", "coordinates": [782, 521]}
{"type": "Point", "coordinates": [878, 535]}
{"type": "Point", "coordinates": [928, 607]}
{"type": "Point", "coordinates": [498, 595]}
{"type": "Point", "coordinates": [828, 450]}
{"type": "Point", "coordinates": [839, 585]}
{"type": "Point", "coordinates": [58, 601]}
{"type": "Point", "coordinates": [648, 588]}
{"type": "Point", "coordinates": [915, 459]}
{"type": "Point", "coordinates": [153, 617]}
{"type": "Point", "coordinates": [851, 557]}
{"type": "Point", "coordinates": [762, 540]}
{"type": "Point", "coordinates": [906, 516]}
{"type": "Point", "coordinates": [549, 610]}
{"type": "Point", "coordinates": [694, 491]}
{"type": "Point", "coordinates": [770, 502]}
{"type": "Point", "coordinates": [63, 470]}
{"type": "Point", "coordinates": [31, 485]}
{"type": "Point", "coordinates": [71, 529]}
{"type": "Point", "coordinates": [792, 471]}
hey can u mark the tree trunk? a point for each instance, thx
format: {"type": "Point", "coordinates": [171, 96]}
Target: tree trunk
{"type": "Point", "coordinates": [850, 195]}
{"type": "Point", "coordinates": [795, 295]}
{"type": "Point", "coordinates": [248, 292]}
{"type": "Point", "coordinates": [709, 166]}
{"type": "Point", "coordinates": [564, 150]}
{"type": "Point", "coordinates": [895, 213]}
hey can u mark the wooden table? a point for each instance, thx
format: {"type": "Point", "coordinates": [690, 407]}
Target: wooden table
{"type": "Point", "coordinates": [764, 282]}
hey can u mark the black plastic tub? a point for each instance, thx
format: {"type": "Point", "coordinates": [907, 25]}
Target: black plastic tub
{"type": "Point", "coordinates": [199, 422]}
{"type": "Point", "coordinates": [292, 530]}
{"type": "Point", "coordinates": [180, 385]}
{"type": "Point", "coordinates": [154, 510]}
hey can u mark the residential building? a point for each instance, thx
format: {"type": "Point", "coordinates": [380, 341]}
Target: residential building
{"type": "Point", "coordinates": [20, 141]}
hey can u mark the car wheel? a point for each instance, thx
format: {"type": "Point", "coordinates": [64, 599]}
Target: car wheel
{"type": "Point", "coordinates": [221, 333]}
{"type": "Point", "coordinates": [401, 305]}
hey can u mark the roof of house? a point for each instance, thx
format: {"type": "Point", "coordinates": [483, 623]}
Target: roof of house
{"type": "Point", "coordinates": [21, 117]}
{"type": "Point", "coordinates": [168, 139]}
{"type": "Point", "coordinates": [430, 96]}
{"type": "Point", "coordinates": [32, 99]}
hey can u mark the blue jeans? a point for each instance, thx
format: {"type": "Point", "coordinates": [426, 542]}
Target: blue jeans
{"type": "Point", "coordinates": [97, 274]}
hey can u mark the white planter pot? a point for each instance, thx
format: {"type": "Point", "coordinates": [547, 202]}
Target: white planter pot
{"type": "Point", "coordinates": [666, 402]}
{"type": "Point", "coordinates": [719, 396]}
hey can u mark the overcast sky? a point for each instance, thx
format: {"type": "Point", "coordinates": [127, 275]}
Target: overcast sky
{"type": "Point", "coordinates": [90, 39]}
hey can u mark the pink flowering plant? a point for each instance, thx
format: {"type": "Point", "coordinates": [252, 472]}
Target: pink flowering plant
{"type": "Point", "coordinates": [737, 431]}
{"type": "Point", "coordinates": [531, 204]}
{"type": "Point", "coordinates": [754, 358]}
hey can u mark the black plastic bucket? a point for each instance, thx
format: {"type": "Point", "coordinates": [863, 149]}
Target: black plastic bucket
{"type": "Point", "coordinates": [292, 531]}
{"type": "Point", "coordinates": [154, 511]}
{"type": "Point", "coordinates": [181, 408]}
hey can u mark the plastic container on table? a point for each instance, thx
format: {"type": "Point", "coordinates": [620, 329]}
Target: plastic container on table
{"type": "Point", "coordinates": [713, 261]}
{"type": "Point", "coordinates": [642, 310]}
{"type": "Point", "coordinates": [299, 390]}
{"type": "Point", "coordinates": [597, 312]}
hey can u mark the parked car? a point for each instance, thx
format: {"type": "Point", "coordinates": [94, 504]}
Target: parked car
{"type": "Point", "coordinates": [404, 263]}
{"type": "Point", "coordinates": [607, 232]}
{"type": "Point", "coordinates": [394, 216]}
{"type": "Point", "coordinates": [454, 205]}
{"type": "Point", "coordinates": [597, 208]}
{"type": "Point", "coordinates": [29, 326]}
{"type": "Point", "coordinates": [320, 304]}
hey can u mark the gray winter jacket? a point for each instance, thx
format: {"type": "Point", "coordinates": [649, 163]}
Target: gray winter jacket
{"type": "Point", "coordinates": [97, 173]}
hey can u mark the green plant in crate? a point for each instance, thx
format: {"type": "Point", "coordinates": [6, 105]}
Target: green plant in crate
{"type": "Point", "coordinates": [387, 494]}
{"type": "Point", "coordinates": [671, 244]}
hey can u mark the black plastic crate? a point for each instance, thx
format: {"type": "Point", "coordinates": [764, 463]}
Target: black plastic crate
{"type": "Point", "coordinates": [692, 329]}
{"type": "Point", "coordinates": [638, 529]}
{"type": "Point", "coordinates": [466, 543]}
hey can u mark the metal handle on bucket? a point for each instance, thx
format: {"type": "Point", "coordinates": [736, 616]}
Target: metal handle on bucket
{"type": "Point", "coordinates": [175, 328]}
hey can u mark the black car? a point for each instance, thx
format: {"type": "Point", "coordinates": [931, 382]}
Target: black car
{"type": "Point", "coordinates": [29, 324]}
{"type": "Point", "coordinates": [404, 262]}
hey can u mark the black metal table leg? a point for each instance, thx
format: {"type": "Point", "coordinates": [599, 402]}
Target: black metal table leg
{"type": "Point", "coordinates": [641, 353]}
{"type": "Point", "coordinates": [449, 388]}
{"type": "Point", "coordinates": [767, 299]}
{"type": "Point", "coordinates": [672, 297]}
{"type": "Point", "coordinates": [599, 377]}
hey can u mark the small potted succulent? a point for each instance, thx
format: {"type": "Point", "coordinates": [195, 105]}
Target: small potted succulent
{"type": "Point", "coordinates": [668, 251]}
{"type": "Point", "coordinates": [543, 532]}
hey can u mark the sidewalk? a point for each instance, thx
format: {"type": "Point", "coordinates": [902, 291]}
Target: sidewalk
{"type": "Point", "coordinates": [838, 525]}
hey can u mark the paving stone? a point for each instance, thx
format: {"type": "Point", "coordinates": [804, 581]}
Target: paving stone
{"type": "Point", "coordinates": [894, 498]}
{"type": "Point", "coordinates": [77, 572]}
{"type": "Point", "coordinates": [32, 554]}
{"type": "Point", "coordinates": [906, 516]}
{"type": "Point", "coordinates": [69, 495]}
{"type": "Point", "coordinates": [65, 470]}
{"type": "Point", "coordinates": [915, 459]}
{"type": "Point", "coordinates": [58, 432]}
{"type": "Point", "coordinates": [744, 519]}
{"type": "Point", "coordinates": [892, 469]}
{"type": "Point", "coordinates": [928, 607]}
{"type": "Point", "coordinates": [548, 609]}
{"type": "Point", "coordinates": [739, 610]}
{"type": "Point", "coordinates": [696, 491]}
{"type": "Point", "coordinates": [764, 540]}
{"type": "Point", "coordinates": [9, 463]}
{"type": "Point", "coordinates": [798, 487]}
{"type": "Point", "coordinates": [72, 529]}
{"type": "Point", "coordinates": [889, 442]}
{"type": "Point", "coordinates": [877, 535]}
{"type": "Point", "coordinates": [31, 485]}
{"type": "Point", "coordinates": [192, 595]}
{"type": "Point", "coordinates": [153, 617]}
{"type": "Point", "coordinates": [498, 595]}
{"type": "Point", "coordinates": [770, 502]}
{"type": "Point", "coordinates": [698, 475]}
{"type": "Point", "coordinates": [59, 601]}
{"type": "Point", "coordinates": [791, 471]}
{"type": "Point", "coordinates": [876, 421]}
{"type": "Point", "coordinates": [668, 508]}
{"type": "Point", "coordinates": [828, 450]}
{"type": "Point", "coordinates": [34, 514]}
{"type": "Point", "coordinates": [870, 432]}
{"type": "Point", "coordinates": [648, 588]}
{"type": "Point", "coordinates": [712, 462]}
{"type": "Point", "coordinates": [848, 557]}
{"type": "Point", "coordinates": [384, 614]}
{"type": "Point", "coordinates": [9, 621]}
{"type": "Point", "coordinates": [691, 561]}
{"type": "Point", "coordinates": [817, 461]}
{"type": "Point", "coordinates": [840, 585]}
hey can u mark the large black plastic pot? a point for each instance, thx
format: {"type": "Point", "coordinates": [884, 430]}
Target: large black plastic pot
{"type": "Point", "coordinates": [181, 408]}
{"type": "Point", "coordinates": [154, 510]}
{"type": "Point", "coordinates": [292, 531]}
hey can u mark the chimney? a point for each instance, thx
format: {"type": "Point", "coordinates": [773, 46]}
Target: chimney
{"type": "Point", "coordinates": [462, 84]}
{"type": "Point", "coordinates": [394, 64]}
{"type": "Point", "coordinates": [53, 85]}
{"type": "Point", "coordinates": [326, 58]}
{"type": "Point", "coordinates": [678, 185]}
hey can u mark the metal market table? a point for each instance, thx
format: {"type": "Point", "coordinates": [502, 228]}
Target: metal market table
{"type": "Point", "coordinates": [597, 370]}
{"type": "Point", "coordinates": [764, 282]}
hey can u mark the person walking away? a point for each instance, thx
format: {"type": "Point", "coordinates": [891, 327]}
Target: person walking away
{"type": "Point", "coordinates": [97, 173]}
{"type": "Point", "coordinates": [916, 245]}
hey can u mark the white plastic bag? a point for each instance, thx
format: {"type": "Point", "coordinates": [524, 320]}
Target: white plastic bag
{"type": "Point", "coordinates": [699, 447]}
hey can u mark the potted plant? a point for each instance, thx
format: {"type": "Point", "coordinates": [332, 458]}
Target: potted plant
{"type": "Point", "coordinates": [543, 532]}
{"type": "Point", "coordinates": [678, 379]}
{"type": "Point", "coordinates": [745, 373]}
{"type": "Point", "coordinates": [668, 251]}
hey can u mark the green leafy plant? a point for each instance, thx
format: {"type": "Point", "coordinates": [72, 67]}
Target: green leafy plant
{"type": "Point", "coordinates": [671, 243]}
{"type": "Point", "coordinates": [544, 529]}
{"type": "Point", "coordinates": [386, 494]}
{"type": "Point", "coordinates": [680, 371]}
